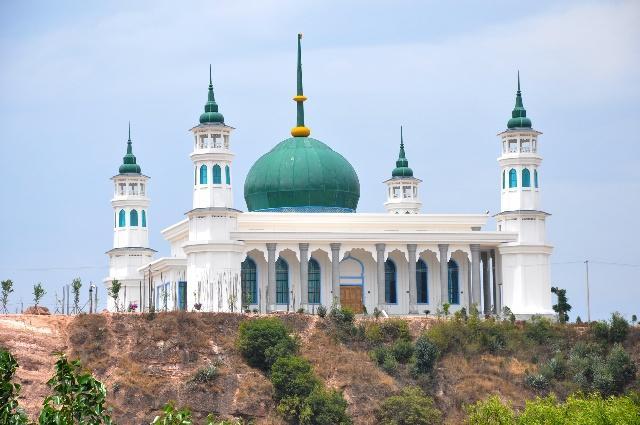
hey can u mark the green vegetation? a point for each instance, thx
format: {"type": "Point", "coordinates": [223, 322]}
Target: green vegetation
{"type": "Point", "coordinates": [426, 354]}
{"type": "Point", "coordinates": [206, 374]}
{"type": "Point", "coordinates": [114, 292]}
{"type": "Point", "coordinates": [562, 307]}
{"type": "Point", "coordinates": [172, 416]}
{"type": "Point", "coordinates": [411, 407]}
{"type": "Point", "coordinates": [38, 293]}
{"type": "Point", "coordinates": [10, 413]}
{"type": "Point", "coordinates": [577, 409]}
{"type": "Point", "coordinates": [7, 288]}
{"type": "Point", "coordinates": [265, 343]}
{"type": "Point", "coordinates": [76, 284]}
{"type": "Point", "coordinates": [263, 340]}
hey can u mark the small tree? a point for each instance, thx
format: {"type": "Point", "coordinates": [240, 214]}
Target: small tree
{"type": "Point", "coordinates": [38, 293]}
{"type": "Point", "coordinates": [114, 292]}
{"type": "Point", "coordinates": [563, 307]}
{"type": "Point", "coordinates": [634, 319]}
{"type": "Point", "coordinates": [76, 284]}
{"type": "Point", "coordinates": [77, 397]}
{"type": "Point", "coordinates": [7, 288]}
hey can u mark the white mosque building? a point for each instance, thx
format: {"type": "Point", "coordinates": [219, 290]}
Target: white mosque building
{"type": "Point", "coordinates": [301, 244]}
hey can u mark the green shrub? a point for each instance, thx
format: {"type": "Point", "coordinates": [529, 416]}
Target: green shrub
{"type": "Point", "coordinates": [322, 311]}
{"type": "Point", "coordinates": [411, 407]}
{"type": "Point", "coordinates": [621, 367]}
{"type": "Point", "coordinates": [390, 364]}
{"type": "Point", "coordinates": [490, 412]}
{"type": "Point", "coordinates": [10, 412]}
{"type": "Point", "coordinates": [600, 331]}
{"type": "Point", "coordinates": [293, 377]}
{"type": "Point", "coordinates": [373, 334]}
{"type": "Point", "coordinates": [172, 416]}
{"type": "Point", "coordinates": [395, 329]}
{"type": "Point", "coordinates": [206, 374]}
{"type": "Point", "coordinates": [618, 329]}
{"type": "Point", "coordinates": [378, 354]}
{"type": "Point", "coordinates": [258, 335]}
{"type": "Point", "coordinates": [286, 347]}
{"type": "Point", "coordinates": [426, 354]}
{"type": "Point", "coordinates": [538, 329]}
{"type": "Point", "coordinates": [342, 320]}
{"type": "Point", "coordinates": [556, 367]}
{"type": "Point", "coordinates": [324, 407]}
{"type": "Point", "coordinates": [538, 382]}
{"type": "Point", "coordinates": [402, 350]}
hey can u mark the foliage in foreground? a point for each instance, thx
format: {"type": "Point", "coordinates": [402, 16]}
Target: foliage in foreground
{"type": "Point", "coordinates": [261, 341]}
{"type": "Point", "coordinates": [577, 409]}
{"type": "Point", "coordinates": [10, 413]}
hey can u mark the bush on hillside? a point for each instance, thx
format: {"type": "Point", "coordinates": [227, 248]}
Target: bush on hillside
{"type": "Point", "coordinates": [10, 412]}
{"type": "Point", "coordinates": [490, 412]}
{"type": "Point", "coordinates": [426, 354]}
{"type": "Point", "coordinates": [342, 320]}
{"type": "Point", "coordinates": [616, 330]}
{"type": "Point", "coordinates": [256, 336]}
{"type": "Point", "coordinates": [324, 407]}
{"type": "Point", "coordinates": [592, 371]}
{"type": "Point", "coordinates": [293, 377]}
{"type": "Point", "coordinates": [395, 329]}
{"type": "Point", "coordinates": [411, 407]}
{"type": "Point", "coordinates": [389, 364]}
{"type": "Point", "coordinates": [538, 329]}
{"type": "Point", "coordinates": [402, 350]}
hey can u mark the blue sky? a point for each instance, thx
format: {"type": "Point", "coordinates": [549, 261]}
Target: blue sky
{"type": "Point", "coordinates": [73, 73]}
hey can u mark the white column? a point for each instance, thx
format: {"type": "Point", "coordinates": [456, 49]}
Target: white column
{"type": "Point", "coordinates": [335, 272]}
{"type": "Point", "coordinates": [475, 274]}
{"type": "Point", "coordinates": [444, 273]}
{"type": "Point", "coordinates": [304, 274]}
{"type": "Point", "coordinates": [413, 296]}
{"type": "Point", "coordinates": [380, 274]}
{"type": "Point", "coordinates": [271, 276]}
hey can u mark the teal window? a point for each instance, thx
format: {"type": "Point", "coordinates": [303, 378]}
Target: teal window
{"type": "Point", "coordinates": [182, 296]}
{"type": "Point", "coordinates": [535, 177]}
{"type": "Point", "coordinates": [513, 178]}
{"type": "Point", "coordinates": [217, 174]}
{"type": "Point", "coordinates": [122, 218]}
{"type": "Point", "coordinates": [422, 282]}
{"type": "Point", "coordinates": [144, 218]}
{"type": "Point", "coordinates": [203, 174]}
{"type": "Point", "coordinates": [454, 284]}
{"type": "Point", "coordinates": [249, 282]}
{"type": "Point", "coordinates": [282, 282]}
{"type": "Point", "coordinates": [227, 174]}
{"type": "Point", "coordinates": [390, 283]}
{"type": "Point", "coordinates": [526, 178]}
{"type": "Point", "coordinates": [314, 281]}
{"type": "Point", "coordinates": [133, 218]}
{"type": "Point", "coordinates": [504, 177]}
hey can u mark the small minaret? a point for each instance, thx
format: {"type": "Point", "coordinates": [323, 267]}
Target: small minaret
{"type": "Point", "coordinates": [130, 230]}
{"type": "Point", "coordinates": [402, 187]}
{"type": "Point", "coordinates": [212, 157]}
{"type": "Point", "coordinates": [525, 272]}
{"type": "Point", "coordinates": [213, 258]}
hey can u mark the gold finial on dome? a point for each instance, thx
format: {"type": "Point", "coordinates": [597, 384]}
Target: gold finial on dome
{"type": "Point", "coordinates": [300, 130]}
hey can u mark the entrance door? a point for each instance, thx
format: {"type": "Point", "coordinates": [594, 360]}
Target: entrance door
{"type": "Point", "coordinates": [351, 297]}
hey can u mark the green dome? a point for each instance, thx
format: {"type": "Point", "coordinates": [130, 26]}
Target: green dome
{"type": "Point", "coordinates": [519, 114]}
{"type": "Point", "coordinates": [211, 114]}
{"type": "Point", "coordinates": [129, 160]}
{"type": "Point", "coordinates": [302, 174]}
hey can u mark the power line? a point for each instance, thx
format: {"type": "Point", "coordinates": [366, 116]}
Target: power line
{"type": "Point", "coordinates": [54, 268]}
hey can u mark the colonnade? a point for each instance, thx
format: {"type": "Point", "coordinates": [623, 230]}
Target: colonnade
{"type": "Point", "coordinates": [485, 280]}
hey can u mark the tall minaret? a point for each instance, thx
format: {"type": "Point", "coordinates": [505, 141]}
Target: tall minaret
{"type": "Point", "coordinates": [212, 157]}
{"type": "Point", "coordinates": [213, 258]}
{"type": "Point", "coordinates": [402, 187]}
{"type": "Point", "coordinates": [130, 230]}
{"type": "Point", "coordinates": [525, 264]}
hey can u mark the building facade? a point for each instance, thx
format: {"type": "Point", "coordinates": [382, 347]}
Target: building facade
{"type": "Point", "coordinates": [301, 244]}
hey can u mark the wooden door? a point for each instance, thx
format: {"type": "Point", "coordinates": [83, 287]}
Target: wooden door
{"type": "Point", "coordinates": [351, 297]}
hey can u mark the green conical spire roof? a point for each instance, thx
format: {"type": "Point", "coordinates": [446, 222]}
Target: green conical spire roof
{"type": "Point", "coordinates": [300, 130]}
{"type": "Point", "coordinates": [519, 115]}
{"type": "Point", "coordinates": [402, 164]}
{"type": "Point", "coordinates": [129, 160]}
{"type": "Point", "coordinates": [211, 114]}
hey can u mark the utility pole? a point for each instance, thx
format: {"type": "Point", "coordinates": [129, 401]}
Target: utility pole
{"type": "Point", "coordinates": [586, 263]}
{"type": "Point", "coordinates": [90, 297]}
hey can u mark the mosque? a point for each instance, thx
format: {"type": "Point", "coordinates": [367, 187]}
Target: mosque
{"type": "Point", "coordinates": [301, 244]}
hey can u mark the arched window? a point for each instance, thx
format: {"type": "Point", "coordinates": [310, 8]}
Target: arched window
{"type": "Point", "coordinates": [282, 282]}
{"type": "Point", "coordinates": [535, 177]}
{"type": "Point", "coordinates": [217, 174]}
{"type": "Point", "coordinates": [314, 281]}
{"type": "Point", "coordinates": [526, 178]}
{"type": "Point", "coordinates": [133, 218]}
{"type": "Point", "coordinates": [249, 282]}
{"type": "Point", "coordinates": [422, 282]}
{"type": "Point", "coordinates": [144, 218]}
{"type": "Point", "coordinates": [227, 174]}
{"type": "Point", "coordinates": [454, 291]}
{"type": "Point", "coordinates": [390, 290]}
{"type": "Point", "coordinates": [122, 218]}
{"type": "Point", "coordinates": [513, 178]}
{"type": "Point", "coordinates": [203, 174]}
{"type": "Point", "coordinates": [504, 178]}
